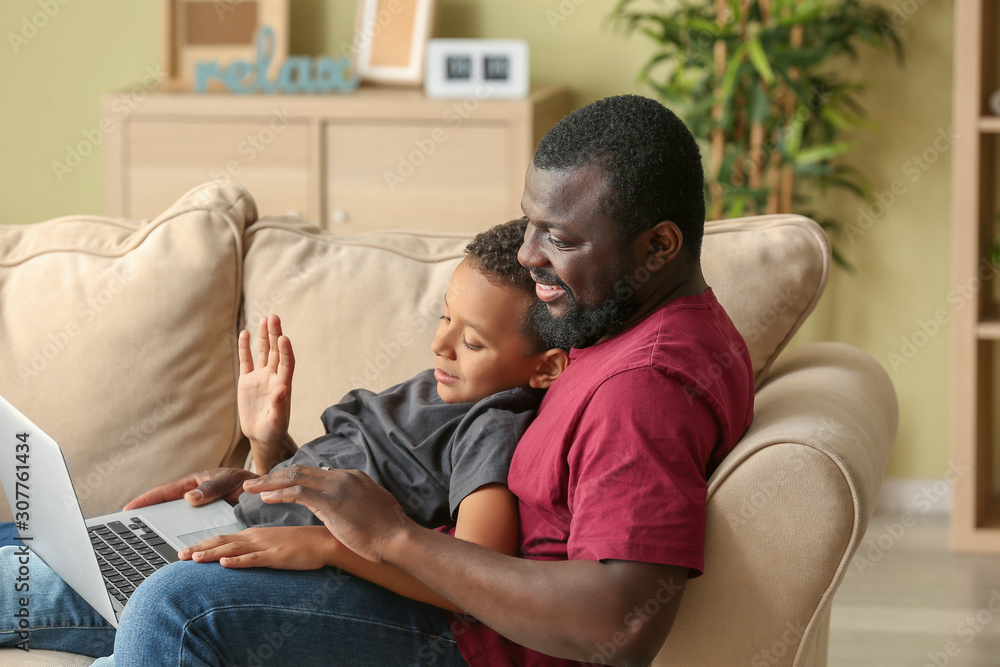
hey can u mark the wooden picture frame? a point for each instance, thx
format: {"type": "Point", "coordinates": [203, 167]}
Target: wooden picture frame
{"type": "Point", "coordinates": [390, 40]}
{"type": "Point", "coordinates": [218, 30]}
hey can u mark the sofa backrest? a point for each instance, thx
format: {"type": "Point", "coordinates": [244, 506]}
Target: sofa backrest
{"type": "Point", "coordinates": [118, 337]}
{"type": "Point", "coordinates": [361, 310]}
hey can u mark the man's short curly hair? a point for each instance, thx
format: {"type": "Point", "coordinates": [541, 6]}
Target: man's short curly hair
{"type": "Point", "coordinates": [652, 162]}
{"type": "Point", "coordinates": [494, 254]}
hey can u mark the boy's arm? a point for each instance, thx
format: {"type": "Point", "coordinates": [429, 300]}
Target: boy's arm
{"type": "Point", "coordinates": [265, 394]}
{"type": "Point", "coordinates": [265, 462]}
{"type": "Point", "coordinates": [487, 516]}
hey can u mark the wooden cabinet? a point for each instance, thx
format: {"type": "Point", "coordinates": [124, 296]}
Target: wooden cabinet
{"type": "Point", "coordinates": [371, 160]}
{"type": "Point", "coordinates": [975, 524]}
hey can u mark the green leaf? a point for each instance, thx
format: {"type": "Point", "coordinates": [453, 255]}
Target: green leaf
{"type": "Point", "coordinates": [759, 63]}
{"type": "Point", "coordinates": [793, 135]}
{"type": "Point", "coordinates": [760, 104]}
{"type": "Point", "coordinates": [759, 60]}
{"type": "Point", "coordinates": [816, 154]}
{"type": "Point", "coordinates": [732, 69]}
{"type": "Point", "coordinates": [737, 207]}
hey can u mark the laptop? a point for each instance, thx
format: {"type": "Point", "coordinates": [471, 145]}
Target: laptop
{"type": "Point", "coordinates": [104, 559]}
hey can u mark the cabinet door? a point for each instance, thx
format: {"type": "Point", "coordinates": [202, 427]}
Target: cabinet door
{"type": "Point", "coordinates": [269, 157]}
{"type": "Point", "coordinates": [421, 175]}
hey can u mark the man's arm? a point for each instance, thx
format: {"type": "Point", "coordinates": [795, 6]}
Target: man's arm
{"type": "Point", "coordinates": [487, 516]}
{"type": "Point", "coordinates": [563, 608]}
{"type": "Point", "coordinates": [568, 609]}
{"type": "Point", "coordinates": [198, 488]}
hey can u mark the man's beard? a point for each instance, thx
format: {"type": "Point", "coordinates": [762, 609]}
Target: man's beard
{"type": "Point", "coordinates": [582, 326]}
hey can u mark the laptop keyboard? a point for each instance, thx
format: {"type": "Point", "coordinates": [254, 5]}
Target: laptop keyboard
{"type": "Point", "coordinates": [127, 558]}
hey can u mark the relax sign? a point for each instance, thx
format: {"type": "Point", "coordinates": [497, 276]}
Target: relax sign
{"type": "Point", "coordinates": [298, 74]}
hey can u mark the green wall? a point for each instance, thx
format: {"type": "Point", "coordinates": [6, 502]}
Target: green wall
{"type": "Point", "coordinates": [53, 84]}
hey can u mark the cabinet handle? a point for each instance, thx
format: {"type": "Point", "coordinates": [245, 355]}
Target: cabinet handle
{"type": "Point", "coordinates": [339, 216]}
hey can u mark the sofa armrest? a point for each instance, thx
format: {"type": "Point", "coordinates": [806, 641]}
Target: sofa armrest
{"type": "Point", "coordinates": [832, 397]}
{"type": "Point", "coordinates": [786, 511]}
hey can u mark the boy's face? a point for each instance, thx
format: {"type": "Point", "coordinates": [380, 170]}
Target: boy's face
{"type": "Point", "coordinates": [479, 348]}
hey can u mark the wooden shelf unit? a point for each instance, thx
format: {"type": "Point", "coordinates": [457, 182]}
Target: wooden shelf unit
{"type": "Point", "coordinates": [975, 524]}
{"type": "Point", "coordinates": [375, 159]}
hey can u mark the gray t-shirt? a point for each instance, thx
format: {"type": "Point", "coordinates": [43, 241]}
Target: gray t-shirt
{"type": "Point", "coordinates": [429, 454]}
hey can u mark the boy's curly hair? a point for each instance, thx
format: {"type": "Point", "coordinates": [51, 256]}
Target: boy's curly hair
{"type": "Point", "coordinates": [494, 254]}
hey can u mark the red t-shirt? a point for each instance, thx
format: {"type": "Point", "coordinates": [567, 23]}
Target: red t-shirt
{"type": "Point", "coordinates": [616, 464]}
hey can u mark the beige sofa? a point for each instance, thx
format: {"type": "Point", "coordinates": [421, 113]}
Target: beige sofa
{"type": "Point", "coordinates": [118, 339]}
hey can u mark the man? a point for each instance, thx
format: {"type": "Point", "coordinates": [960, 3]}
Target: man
{"type": "Point", "coordinates": [611, 476]}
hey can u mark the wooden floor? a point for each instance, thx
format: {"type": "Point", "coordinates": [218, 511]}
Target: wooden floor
{"type": "Point", "coordinates": [907, 600]}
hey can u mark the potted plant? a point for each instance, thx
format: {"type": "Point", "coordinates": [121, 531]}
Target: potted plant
{"type": "Point", "coordinates": [757, 81]}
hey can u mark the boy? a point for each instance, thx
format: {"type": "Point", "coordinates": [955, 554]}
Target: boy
{"type": "Point", "coordinates": [441, 442]}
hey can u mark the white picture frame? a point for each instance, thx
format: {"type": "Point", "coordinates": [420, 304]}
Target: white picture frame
{"type": "Point", "coordinates": [390, 40]}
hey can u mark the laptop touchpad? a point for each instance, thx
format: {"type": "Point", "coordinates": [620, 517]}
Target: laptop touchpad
{"type": "Point", "coordinates": [191, 539]}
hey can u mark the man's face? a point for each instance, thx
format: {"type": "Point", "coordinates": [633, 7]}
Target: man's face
{"type": "Point", "coordinates": [578, 263]}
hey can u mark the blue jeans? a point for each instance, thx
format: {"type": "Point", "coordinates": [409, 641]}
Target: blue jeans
{"type": "Point", "coordinates": [55, 617]}
{"type": "Point", "coordinates": [203, 614]}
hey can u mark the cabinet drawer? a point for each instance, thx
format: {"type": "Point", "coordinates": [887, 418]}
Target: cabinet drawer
{"type": "Point", "coordinates": [270, 157]}
{"type": "Point", "coordinates": [421, 175]}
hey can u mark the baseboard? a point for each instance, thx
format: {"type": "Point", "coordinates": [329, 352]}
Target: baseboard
{"type": "Point", "coordinates": [917, 496]}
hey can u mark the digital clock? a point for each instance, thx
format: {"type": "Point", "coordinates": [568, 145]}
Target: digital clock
{"type": "Point", "coordinates": [483, 67]}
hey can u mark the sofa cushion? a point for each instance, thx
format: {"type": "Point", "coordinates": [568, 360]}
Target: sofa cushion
{"type": "Point", "coordinates": [768, 272]}
{"type": "Point", "coordinates": [361, 310]}
{"type": "Point", "coordinates": [118, 339]}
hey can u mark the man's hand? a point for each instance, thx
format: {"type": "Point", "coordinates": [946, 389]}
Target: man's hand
{"type": "Point", "coordinates": [358, 512]}
{"type": "Point", "coordinates": [264, 396]}
{"type": "Point", "coordinates": [280, 548]}
{"type": "Point", "coordinates": [197, 488]}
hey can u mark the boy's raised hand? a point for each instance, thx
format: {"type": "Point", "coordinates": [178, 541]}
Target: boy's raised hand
{"type": "Point", "coordinates": [265, 392]}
